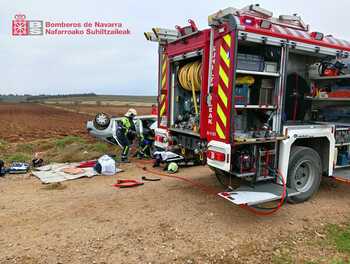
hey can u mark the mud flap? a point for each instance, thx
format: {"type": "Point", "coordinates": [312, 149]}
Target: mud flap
{"type": "Point", "coordinates": [259, 194]}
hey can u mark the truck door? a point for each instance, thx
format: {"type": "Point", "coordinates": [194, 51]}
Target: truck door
{"type": "Point", "coordinates": [163, 89]}
{"type": "Point", "coordinates": [221, 84]}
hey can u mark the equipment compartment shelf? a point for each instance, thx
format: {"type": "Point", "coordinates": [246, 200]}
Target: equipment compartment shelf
{"type": "Point", "coordinates": [346, 76]}
{"type": "Point", "coordinates": [342, 166]}
{"type": "Point", "coordinates": [272, 74]}
{"type": "Point", "coordinates": [258, 140]}
{"type": "Point", "coordinates": [342, 144]}
{"type": "Point", "coordinates": [255, 107]}
{"type": "Point", "coordinates": [334, 99]}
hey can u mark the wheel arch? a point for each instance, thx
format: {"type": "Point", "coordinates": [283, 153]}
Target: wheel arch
{"type": "Point", "coordinates": [321, 145]}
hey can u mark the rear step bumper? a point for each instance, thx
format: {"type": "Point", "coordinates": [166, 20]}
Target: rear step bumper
{"type": "Point", "coordinates": [259, 194]}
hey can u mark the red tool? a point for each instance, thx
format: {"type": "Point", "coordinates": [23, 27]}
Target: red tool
{"type": "Point", "coordinates": [127, 183]}
{"type": "Point", "coordinates": [87, 164]}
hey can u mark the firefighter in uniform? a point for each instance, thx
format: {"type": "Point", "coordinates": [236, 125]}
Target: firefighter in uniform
{"type": "Point", "coordinates": [126, 133]}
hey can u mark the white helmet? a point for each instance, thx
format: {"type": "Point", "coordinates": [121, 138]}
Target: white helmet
{"type": "Point", "coordinates": [131, 112]}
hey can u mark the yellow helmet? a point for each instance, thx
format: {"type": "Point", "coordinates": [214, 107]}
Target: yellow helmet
{"type": "Point", "coordinates": [173, 167]}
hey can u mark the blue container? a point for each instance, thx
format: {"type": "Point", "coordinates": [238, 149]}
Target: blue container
{"type": "Point", "coordinates": [242, 95]}
{"type": "Point", "coordinates": [343, 159]}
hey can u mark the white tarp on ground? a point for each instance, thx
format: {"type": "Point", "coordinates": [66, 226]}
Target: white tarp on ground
{"type": "Point", "coordinates": [53, 173]}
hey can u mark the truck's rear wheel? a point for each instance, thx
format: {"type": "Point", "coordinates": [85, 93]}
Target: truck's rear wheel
{"type": "Point", "coordinates": [304, 173]}
{"type": "Point", "coordinates": [226, 179]}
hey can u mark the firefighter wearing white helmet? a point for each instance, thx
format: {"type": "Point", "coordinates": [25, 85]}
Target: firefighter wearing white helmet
{"type": "Point", "coordinates": [126, 133]}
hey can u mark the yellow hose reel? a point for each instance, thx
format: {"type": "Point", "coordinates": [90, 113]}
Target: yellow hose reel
{"type": "Point", "coordinates": [189, 77]}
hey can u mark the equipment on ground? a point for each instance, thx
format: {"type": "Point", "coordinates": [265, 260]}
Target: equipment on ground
{"type": "Point", "coordinates": [144, 178]}
{"type": "Point", "coordinates": [127, 183]}
{"type": "Point", "coordinates": [2, 168]}
{"type": "Point", "coordinates": [18, 168]}
{"type": "Point", "coordinates": [105, 165]}
{"type": "Point", "coordinates": [172, 167]}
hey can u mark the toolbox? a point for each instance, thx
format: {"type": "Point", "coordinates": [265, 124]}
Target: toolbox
{"type": "Point", "coordinates": [270, 66]}
{"type": "Point", "coordinates": [266, 92]}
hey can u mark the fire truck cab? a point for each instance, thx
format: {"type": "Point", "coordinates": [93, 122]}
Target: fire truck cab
{"type": "Point", "coordinates": [258, 98]}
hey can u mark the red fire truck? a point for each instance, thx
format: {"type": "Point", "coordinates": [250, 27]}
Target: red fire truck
{"type": "Point", "coordinates": [260, 98]}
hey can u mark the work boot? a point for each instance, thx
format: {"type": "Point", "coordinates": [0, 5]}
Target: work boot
{"type": "Point", "coordinates": [124, 160]}
{"type": "Point", "coordinates": [141, 155]}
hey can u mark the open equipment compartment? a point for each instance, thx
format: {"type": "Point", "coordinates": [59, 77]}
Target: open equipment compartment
{"type": "Point", "coordinates": [256, 119]}
{"type": "Point", "coordinates": [256, 89]}
{"type": "Point", "coordinates": [186, 86]}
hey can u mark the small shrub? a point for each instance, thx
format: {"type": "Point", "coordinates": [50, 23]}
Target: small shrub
{"type": "Point", "coordinates": [339, 261]}
{"type": "Point", "coordinates": [340, 236]}
{"type": "Point", "coordinates": [3, 144]}
{"type": "Point", "coordinates": [20, 157]}
{"type": "Point", "coordinates": [72, 153]}
{"type": "Point", "coordinates": [283, 258]}
{"type": "Point", "coordinates": [25, 148]}
{"type": "Point", "coordinates": [100, 147]}
{"type": "Point", "coordinates": [62, 142]}
{"type": "Point", "coordinates": [45, 145]}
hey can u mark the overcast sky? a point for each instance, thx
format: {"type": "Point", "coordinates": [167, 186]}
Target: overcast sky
{"type": "Point", "coordinates": [119, 64]}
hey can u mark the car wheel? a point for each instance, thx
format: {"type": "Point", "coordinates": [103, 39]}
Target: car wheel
{"type": "Point", "coordinates": [102, 121]}
{"type": "Point", "coordinates": [304, 173]}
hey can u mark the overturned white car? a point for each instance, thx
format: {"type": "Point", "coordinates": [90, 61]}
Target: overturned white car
{"type": "Point", "coordinates": [104, 127]}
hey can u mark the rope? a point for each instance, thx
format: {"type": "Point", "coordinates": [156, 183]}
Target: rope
{"type": "Point", "coordinates": [190, 79]}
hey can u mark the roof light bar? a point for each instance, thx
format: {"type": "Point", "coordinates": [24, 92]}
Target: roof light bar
{"type": "Point", "coordinates": [248, 21]}
{"type": "Point", "coordinates": [265, 24]}
{"type": "Point", "coordinates": [317, 36]}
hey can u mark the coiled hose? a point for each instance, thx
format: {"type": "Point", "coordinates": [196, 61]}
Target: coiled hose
{"type": "Point", "coordinates": [189, 77]}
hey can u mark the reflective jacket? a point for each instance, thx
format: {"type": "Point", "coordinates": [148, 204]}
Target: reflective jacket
{"type": "Point", "coordinates": [126, 124]}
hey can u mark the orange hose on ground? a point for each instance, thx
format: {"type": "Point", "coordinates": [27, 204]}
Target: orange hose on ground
{"type": "Point", "coordinates": [272, 211]}
{"type": "Point", "coordinates": [341, 180]}
{"type": "Point", "coordinates": [211, 191]}
{"type": "Point", "coordinates": [196, 184]}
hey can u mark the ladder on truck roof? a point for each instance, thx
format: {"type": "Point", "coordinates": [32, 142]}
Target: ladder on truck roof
{"type": "Point", "coordinates": [162, 35]}
{"type": "Point", "coordinates": [165, 35]}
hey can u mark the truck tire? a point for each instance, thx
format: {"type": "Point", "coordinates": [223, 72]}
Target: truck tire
{"type": "Point", "coordinates": [304, 173]}
{"type": "Point", "coordinates": [225, 179]}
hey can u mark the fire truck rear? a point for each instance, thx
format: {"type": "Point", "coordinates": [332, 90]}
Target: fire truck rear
{"type": "Point", "coordinates": [250, 97]}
